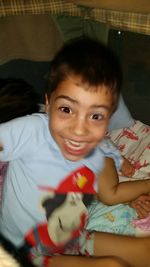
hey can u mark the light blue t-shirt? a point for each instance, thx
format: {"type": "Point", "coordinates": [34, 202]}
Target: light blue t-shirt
{"type": "Point", "coordinates": [37, 171]}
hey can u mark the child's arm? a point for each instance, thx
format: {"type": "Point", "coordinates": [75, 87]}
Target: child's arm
{"type": "Point", "coordinates": [111, 192]}
{"type": "Point", "coordinates": [142, 203]}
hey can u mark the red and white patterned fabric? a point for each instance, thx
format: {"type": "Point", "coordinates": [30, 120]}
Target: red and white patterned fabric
{"type": "Point", "coordinates": [134, 144]}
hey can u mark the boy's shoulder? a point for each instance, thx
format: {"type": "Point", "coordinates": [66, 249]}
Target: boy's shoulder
{"type": "Point", "coordinates": [36, 118]}
{"type": "Point", "coordinates": [33, 120]}
{"type": "Point", "coordinates": [29, 124]}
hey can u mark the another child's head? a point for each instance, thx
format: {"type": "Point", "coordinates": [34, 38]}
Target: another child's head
{"type": "Point", "coordinates": [17, 98]}
{"type": "Point", "coordinates": [84, 86]}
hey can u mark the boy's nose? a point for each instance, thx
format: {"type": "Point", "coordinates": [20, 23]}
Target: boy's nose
{"type": "Point", "coordinates": [79, 127]}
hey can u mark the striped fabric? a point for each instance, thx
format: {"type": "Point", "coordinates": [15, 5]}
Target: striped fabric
{"type": "Point", "coordinates": [17, 7]}
{"type": "Point", "coordinates": [121, 20]}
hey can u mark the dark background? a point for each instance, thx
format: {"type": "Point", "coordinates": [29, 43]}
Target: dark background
{"type": "Point", "coordinates": [134, 52]}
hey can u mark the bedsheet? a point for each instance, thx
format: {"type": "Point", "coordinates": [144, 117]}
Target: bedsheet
{"type": "Point", "coordinates": [134, 144]}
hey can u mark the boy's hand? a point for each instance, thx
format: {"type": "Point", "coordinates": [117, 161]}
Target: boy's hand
{"type": "Point", "coordinates": [1, 148]}
{"type": "Point", "coordinates": [127, 168]}
{"type": "Point", "coordinates": [142, 206]}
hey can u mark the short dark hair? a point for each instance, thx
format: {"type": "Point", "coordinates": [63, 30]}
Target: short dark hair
{"type": "Point", "coordinates": [17, 98]}
{"type": "Point", "coordinates": [89, 59]}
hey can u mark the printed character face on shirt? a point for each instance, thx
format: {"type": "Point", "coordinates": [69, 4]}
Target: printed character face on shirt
{"type": "Point", "coordinates": [67, 218]}
{"type": "Point", "coordinates": [79, 116]}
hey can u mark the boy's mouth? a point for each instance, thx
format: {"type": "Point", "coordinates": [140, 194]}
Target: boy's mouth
{"type": "Point", "coordinates": [74, 147]}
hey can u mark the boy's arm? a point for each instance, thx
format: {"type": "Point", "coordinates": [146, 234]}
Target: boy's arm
{"type": "Point", "coordinates": [111, 192]}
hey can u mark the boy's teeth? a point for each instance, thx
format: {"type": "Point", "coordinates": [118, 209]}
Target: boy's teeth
{"type": "Point", "coordinates": [74, 144]}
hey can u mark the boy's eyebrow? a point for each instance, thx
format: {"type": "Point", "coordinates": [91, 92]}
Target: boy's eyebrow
{"type": "Point", "coordinates": [75, 101]}
{"type": "Point", "coordinates": [66, 97]}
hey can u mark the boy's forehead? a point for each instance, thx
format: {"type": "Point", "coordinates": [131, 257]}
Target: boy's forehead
{"type": "Point", "coordinates": [77, 81]}
{"type": "Point", "coordinates": [77, 91]}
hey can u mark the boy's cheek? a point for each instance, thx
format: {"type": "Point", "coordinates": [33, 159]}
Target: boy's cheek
{"type": "Point", "coordinates": [1, 148]}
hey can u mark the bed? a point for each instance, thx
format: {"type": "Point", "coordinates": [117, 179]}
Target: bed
{"type": "Point", "coordinates": [133, 140]}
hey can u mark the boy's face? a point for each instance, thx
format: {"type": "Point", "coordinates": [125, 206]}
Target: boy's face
{"type": "Point", "coordinates": [78, 117]}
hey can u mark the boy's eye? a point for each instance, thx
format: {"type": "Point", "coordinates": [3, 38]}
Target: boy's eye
{"type": "Point", "coordinates": [65, 109]}
{"type": "Point", "coordinates": [97, 117]}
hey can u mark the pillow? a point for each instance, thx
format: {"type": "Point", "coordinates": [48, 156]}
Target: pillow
{"type": "Point", "coordinates": [121, 118]}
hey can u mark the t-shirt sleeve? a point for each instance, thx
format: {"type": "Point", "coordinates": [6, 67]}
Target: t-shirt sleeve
{"type": "Point", "coordinates": [15, 137]}
{"type": "Point", "coordinates": [111, 151]}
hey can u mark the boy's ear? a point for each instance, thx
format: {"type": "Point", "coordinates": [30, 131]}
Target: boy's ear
{"type": "Point", "coordinates": [46, 103]}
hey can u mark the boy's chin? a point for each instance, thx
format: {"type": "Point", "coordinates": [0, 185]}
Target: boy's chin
{"type": "Point", "coordinates": [72, 157]}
